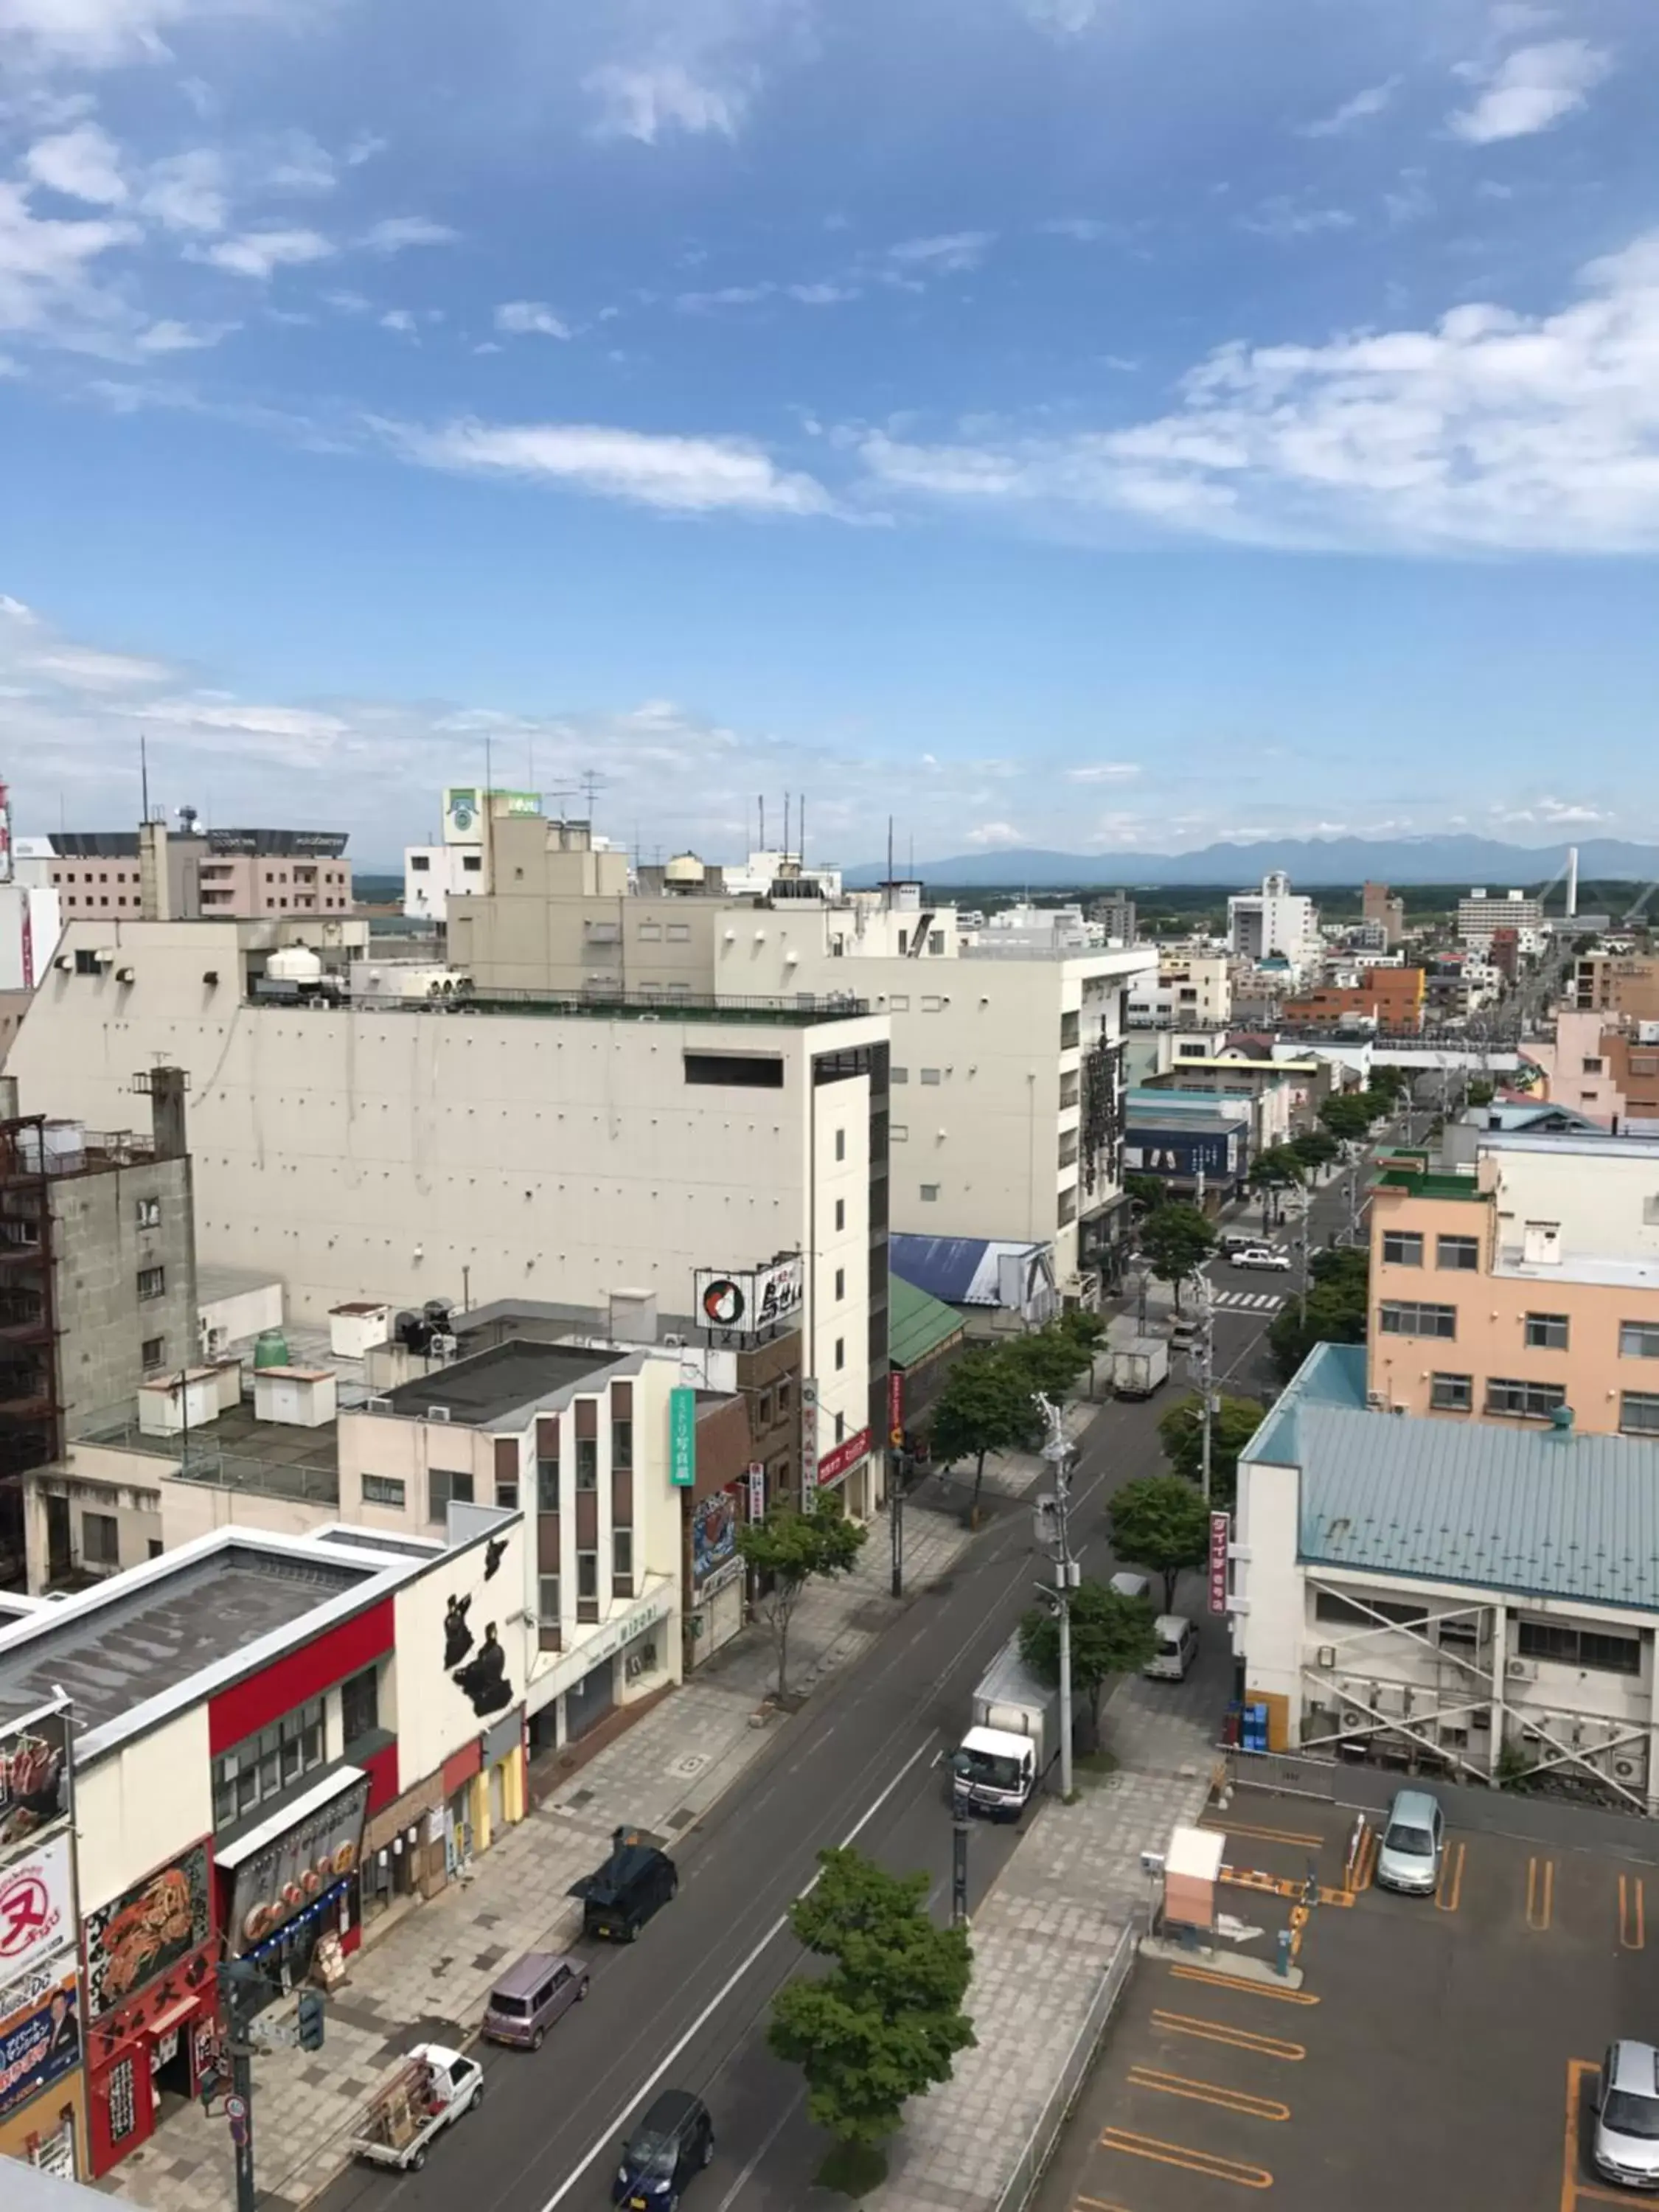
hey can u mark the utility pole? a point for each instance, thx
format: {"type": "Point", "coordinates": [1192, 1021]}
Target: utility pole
{"type": "Point", "coordinates": [243, 1989]}
{"type": "Point", "coordinates": [1206, 1359]}
{"type": "Point", "coordinates": [1067, 1574]}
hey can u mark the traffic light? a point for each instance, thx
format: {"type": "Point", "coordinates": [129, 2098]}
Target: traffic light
{"type": "Point", "coordinates": [311, 2014]}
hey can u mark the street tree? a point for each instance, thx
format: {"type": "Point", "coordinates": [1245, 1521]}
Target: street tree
{"type": "Point", "coordinates": [985, 1405]}
{"type": "Point", "coordinates": [1276, 1170]}
{"type": "Point", "coordinates": [1161, 1523]}
{"type": "Point", "coordinates": [1148, 1190]}
{"type": "Point", "coordinates": [1049, 1359]}
{"type": "Point", "coordinates": [1233, 1422]}
{"type": "Point", "coordinates": [1334, 1311]}
{"type": "Point", "coordinates": [886, 2022]}
{"type": "Point", "coordinates": [1386, 1082]}
{"type": "Point", "coordinates": [1175, 1243]}
{"type": "Point", "coordinates": [1112, 1634]}
{"type": "Point", "coordinates": [788, 1550]}
{"type": "Point", "coordinates": [1316, 1148]}
{"type": "Point", "coordinates": [1349, 1115]}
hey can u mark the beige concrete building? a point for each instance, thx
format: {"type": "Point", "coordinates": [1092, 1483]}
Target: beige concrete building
{"type": "Point", "coordinates": [150, 872]}
{"type": "Point", "coordinates": [1191, 990]}
{"type": "Point", "coordinates": [1524, 1291]}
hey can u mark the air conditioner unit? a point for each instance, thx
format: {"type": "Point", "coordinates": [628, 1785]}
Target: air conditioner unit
{"type": "Point", "coordinates": [1627, 1769]}
{"type": "Point", "coordinates": [674, 1343]}
{"type": "Point", "coordinates": [126, 974]}
{"type": "Point", "coordinates": [1354, 1721]}
{"type": "Point", "coordinates": [1377, 1401]}
{"type": "Point", "coordinates": [444, 1346]}
{"type": "Point", "coordinates": [374, 1405]}
{"type": "Point", "coordinates": [437, 1413]}
{"type": "Point", "coordinates": [64, 964]}
{"type": "Point", "coordinates": [1521, 1670]}
{"type": "Point", "coordinates": [1326, 1655]}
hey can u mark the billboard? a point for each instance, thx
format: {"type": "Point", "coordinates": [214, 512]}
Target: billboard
{"type": "Point", "coordinates": [843, 1458]}
{"type": "Point", "coordinates": [750, 1301]}
{"type": "Point", "coordinates": [714, 1535]}
{"type": "Point", "coordinates": [38, 2047]}
{"type": "Point", "coordinates": [682, 1436]}
{"type": "Point", "coordinates": [809, 1435]}
{"type": "Point", "coordinates": [34, 1796]}
{"type": "Point", "coordinates": [295, 1869]}
{"type": "Point", "coordinates": [463, 806]}
{"type": "Point", "coordinates": [146, 1929]}
{"type": "Point", "coordinates": [1221, 1526]}
{"type": "Point", "coordinates": [37, 1906]}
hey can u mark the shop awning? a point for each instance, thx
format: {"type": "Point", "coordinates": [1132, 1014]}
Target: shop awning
{"type": "Point", "coordinates": [271, 1831]}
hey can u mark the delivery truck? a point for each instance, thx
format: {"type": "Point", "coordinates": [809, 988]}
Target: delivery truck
{"type": "Point", "coordinates": [1013, 1740]}
{"type": "Point", "coordinates": [1141, 1366]}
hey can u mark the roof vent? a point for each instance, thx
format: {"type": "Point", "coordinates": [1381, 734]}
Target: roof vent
{"type": "Point", "coordinates": [1561, 1420]}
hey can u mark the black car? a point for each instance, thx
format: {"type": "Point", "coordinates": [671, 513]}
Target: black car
{"type": "Point", "coordinates": [674, 2140]}
{"type": "Point", "coordinates": [635, 1881]}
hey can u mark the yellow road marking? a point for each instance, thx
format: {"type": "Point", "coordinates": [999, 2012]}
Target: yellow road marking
{"type": "Point", "coordinates": [1632, 1923]}
{"type": "Point", "coordinates": [1208, 2093]}
{"type": "Point", "coordinates": [1098, 2204]}
{"type": "Point", "coordinates": [1266, 1835]}
{"type": "Point", "coordinates": [1244, 1989]}
{"type": "Point", "coordinates": [1449, 1888]}
{"type": "Point", "coordinates": [1367, 1866]}
{"type": "Point", "coordinates": [1194, 2161]}
{"type": "Point", "coordinates": [1241, 2038]}
{"type": "Point", "coordinates": [1572, 2187]}
{"type": "Point", "coordinates": [1540, 1893]}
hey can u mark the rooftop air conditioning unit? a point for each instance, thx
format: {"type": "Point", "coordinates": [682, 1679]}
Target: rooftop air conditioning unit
{"type": "Point", "coordinates": [1629, 1770]}
{"type": "Point", "coordinates": [444, 1347]}
{"type": "Point", "coordinates": [674, 1343]}
{"type": "Point", "coordinates": [437, 1413]}
{"type": "Point", "coordinates": [1377, 1401]}
{"type": "Point", "coordinates": [377, 1404]}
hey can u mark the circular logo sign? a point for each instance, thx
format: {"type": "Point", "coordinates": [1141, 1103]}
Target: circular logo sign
{"type": "Point", "coordinates": [236, 2108]}
{"type": "Point", "coordinates": [461, 815]}
{"type": "Point", "coordinates": [724, 1302]}
{"type": "Point", "coordinates": [26, 1914]}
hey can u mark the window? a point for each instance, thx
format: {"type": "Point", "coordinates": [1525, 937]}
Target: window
{"type": "Point", "coordinates": [932, 1005]}
{"type": "Point", "coordinates": [622, 1558]}
{"type": "Point", "coordinates": [929, 1075]}
{"type": "Point", "coordinates": [420, 862]}
{"type": "Point", "coordinates": [1592, 1067]}
{"type": "Point", "coordinates": [841, 1352]}
{"type": "Point", "coordinates": [650, 933]}
{"type": "Point", "coordinates": [1638, 1413]}
{"type": "Point", "coordinates": [152, 1282]}
{"type": "Point", "coordinates": [763, 1410]}
{"type": "Point", "coordinates": [587, 1463]}
{"type": "Point", "coordinates": [841, 1428]}
{"type": "Point", "coordinates": [899, 1134]}
{"type": "Point", "coordinates": [1402, 1320]}
{"type": "Point", "coordinates": [840, 1144]}
{"type": "Point", "coordinates": [1526, 1401]}
{"type": "Point", "coordinates": [1579, 1647]}
{"type": "Point", "coordinates": [472, 863]}
{"type": "Point", "coordinates": [147, 1213]}
{"type": "Point", "coordinates": [547, 1599]}
{"type": "Point", "coordinates": [903, 1075]}
{"type": "Point", "coordinates": [1547, 1331]}
{"type": "Point", "coordinates": [360, 1705]}
{"type": "Point", "coordinates": [100, 1540]}
{"type": "Point", "coordinates": [86, 963]}
{"type": "Point", "coordinates": [746, 1070]}
{"type": "Point", "coordinates": [1349, 1613]}
{"type": "Point", "coordinates": [1638, 1339]}
{"type": "Point", "coordinates": [936, 940]}
{"type": "Point", "coordinates": [587, 1576]}
{"type": "Point", "coordinates": [1400, 1248]}
{"type": "Point", "coordinates": [621, 1446]}
{"type": "Point", "coordinates": [267, 1765]}
{"type": "Point", "coordinates": [153, 1351]}
{"type": "Point", "coordinates": [385, 1490]}
{"type": "Point", "coordinates": [929, 1193]}
{"type": "Point", "coordinates": [679, 932]}
{"type": "Point", "coordinates": [786, 1396]}
{"type": "Point", "coordinates": [899, 1003]}
{"type": "Point", "coordinates": [841, 1282]}
{"type": "Point", "coordinates": [1460, 1254]}
{"type": "Point", "coordinates": [840, 1213]}
{"type": "Point", "coordinates": [1451, 1394]}
{"type": "Point", "coordinates": [506, 1491]}
{"type": "Point", "coordinates": [446, 1486]}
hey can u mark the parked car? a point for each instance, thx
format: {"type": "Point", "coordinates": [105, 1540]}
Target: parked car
{"type": "Point", "coordinates": [1262, 1255]}
{"type": "Point", "coordinates": [531, 1996]}
{"type": "Point", "coordinates": [674, 2140]}
{"type": "Point", "coordinates": [1175, 1650]}
{"type": "Point", "coordinates": [433, 2088]}
{"type": "Point", "coordinates": [636, 1881]}
{"type": "Point", "coordinates": [1626, 2147]}
{"type": "Point", "coordinates": [1414, 1840]}
{"type": "Point", "coordinates": [1234, 1241]}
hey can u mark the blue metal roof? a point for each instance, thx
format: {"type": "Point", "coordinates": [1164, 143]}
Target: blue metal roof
{"type": "Point", "coordinates": [961, 1270]}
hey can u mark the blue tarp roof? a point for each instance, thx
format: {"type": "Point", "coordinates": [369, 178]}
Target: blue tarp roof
{"type": "Point", "coordinates": [962, 1271]}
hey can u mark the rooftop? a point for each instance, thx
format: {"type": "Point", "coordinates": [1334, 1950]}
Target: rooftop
{"type": "Point", "coordinates": [965, 1271]}
{"type": "Point", "coordinates": [918, 1323]}
{"type": "Point", "coordinates": [494, 1383]}
{"type": "Point", "coordinates": [799, 1011]}
{"type": "Point", "coordinates": [114, 1654]}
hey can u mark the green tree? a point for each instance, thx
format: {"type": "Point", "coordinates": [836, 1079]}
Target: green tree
{"type": "Point", "coordinates": [1048, 1359]}
{"type": "Point", "coordinates": [1386, 1082]}
{"type": "Point", "coordinates": [1148, 1190]}
{"type": "Point", "coordinates": [1175, 1243]}
{"type": "Point", "coordinates": [1481, 1091]}
{"type": "Point", "coordinates": [985, 1405]}
{"type": "Point", "coordinates": [886, 2022]}
{"type": "Point", "coordinates": [1233, 1424]}
{"type": "Point", "coordinates": [1315, 1148]}
{"type": "Point", "coordinates": [1112, 1634]}
{"type": "Point", "coordinates": [1334, 1312]}
{"type": "Point", "coordinates": [790, 1549]}
{"type": "Point", "coordinates": [1348, 1115]}
{"type": "Point", "coordinates": [1276, 1170]}
{"type": "Point", "coordinates": [1160, 1524]}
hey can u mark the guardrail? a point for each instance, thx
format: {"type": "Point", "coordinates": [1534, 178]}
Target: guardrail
{"type": "Point", "coordinates": [1039, 2144]}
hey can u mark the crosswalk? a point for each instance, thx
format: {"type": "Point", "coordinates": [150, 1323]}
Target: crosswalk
{"type": "Point", "coordinates": [1262, 1302]}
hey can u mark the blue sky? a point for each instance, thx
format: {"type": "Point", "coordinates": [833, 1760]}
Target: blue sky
{"type": "Point", "coordinates": [1075, 423]}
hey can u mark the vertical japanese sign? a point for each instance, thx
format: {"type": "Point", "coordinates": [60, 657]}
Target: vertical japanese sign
{"type": "Point", "coordinates": [895, 1409]}
{"type": "Point", "coordinates": [809, 1435]}
{"type": "Point", "coordinates": [682, 1436]}
{"type": "Point", "coordinates": [1221, 1529]}
{"type": "Point", "coordinates": [756, 1490]}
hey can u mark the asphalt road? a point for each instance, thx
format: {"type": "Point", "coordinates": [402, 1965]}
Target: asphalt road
{"type": "Point", "coordinates": [686, 2007]}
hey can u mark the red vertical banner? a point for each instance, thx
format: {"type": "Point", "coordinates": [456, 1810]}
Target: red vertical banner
{"type": "Point", "coordinates": [1221, 1529]}
{"type": "Point", "coordinates": [895, 1409]}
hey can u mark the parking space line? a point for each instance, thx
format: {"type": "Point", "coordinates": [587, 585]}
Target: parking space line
{"type": "Point", "coordinates": [1449, 1888]}
{"type": "Point", "coordinates": [1244, 1989]}
{"type": "Point", "coordinates": [1540, 1893]}
{"type": "Point", "coordinates": [1241, 2038]}
{"type": "Point", "coordinates": [1367, 1864]}
{"type": "Point", "coordinates": [1632, 1921]}
{"type": "Point", "coordinates": [1208, 2093]}
{"type": "Point", "coordinates": [1264, 1835]}
{"type": "Point", "coordinates": [1570, 2184]}
{"type": "Point", "coordinates": [1194, 2161]}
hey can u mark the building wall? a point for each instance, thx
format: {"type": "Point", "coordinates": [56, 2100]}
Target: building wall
{"type": "Point", "coordinates": [102, 1248]}
{"type": "Point", "coordinates": [1617, 983]}
{"type": "Point", "coordinates": [134, 1511]}
{"type": "Point", "coordinates": [136, 1806]}
{"type": "Point", "coordinates": [1392, 997]}
{"type": "Point", "coordinates": [1579, 1070]}
{"type": "Point", "coordinates": [1633, 1078]}
{"type": "Point", "coordinates": [435, 1717]}
{"type": "Point", "coordinates": [260, 884]}
{"type": "Point", "coordinates": [435, 874]}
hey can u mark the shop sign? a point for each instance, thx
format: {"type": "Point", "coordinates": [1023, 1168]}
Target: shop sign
{"type": "Point", "coordinates": [896, 1408]}
{"type": "Point", "coordinates": [37, 1905]}
{"type": "Point", "coordinates": [808, 1434]}
{"type": "Point", "coordinates": [39, 2047]}
{"type": "Point", "coordinates": [682, 1436]}
{"type": "Point", "coordinates": [291, 1873]}
{"type": "Point", "coordinates": [714, 1534]}
{"type": "Point", "coordinates": [147, 1930]}
{"type": "Point", "coordinates": [843, 1458]}
{"type": "Point", "coordinates": [1221, 1528]}
{"type": "Point", "coordinates": [23, 1992]}
{"type": "Point", "coordinates": [750, 1301]}
{"type": "Point", "coordinates": [33, 1776]}
{"type": "Point", "coordinates": [756, 1491]}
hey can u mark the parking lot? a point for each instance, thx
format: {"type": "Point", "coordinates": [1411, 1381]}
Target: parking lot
{"type": "Point", "coordinates": [1437, 2056]}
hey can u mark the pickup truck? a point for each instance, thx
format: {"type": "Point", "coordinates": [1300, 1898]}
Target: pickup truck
{"type": "Point", "coordinates": [426, 2095]}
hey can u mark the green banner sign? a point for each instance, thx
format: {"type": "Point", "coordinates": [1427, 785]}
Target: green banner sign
{"type": "Point", "coordinates": [682, 1437]}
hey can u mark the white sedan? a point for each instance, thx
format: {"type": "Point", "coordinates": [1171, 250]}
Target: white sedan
{"type": "Point", "coordinates": [1262, 1255]}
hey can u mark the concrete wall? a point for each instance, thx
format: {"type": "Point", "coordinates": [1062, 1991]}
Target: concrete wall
{"type": "Point", "coordinates": [433, 1717]}
{"type": "Point", "coordinates": [137, 1807]}
{"type": "Point", "coordinates": [102, 1247]}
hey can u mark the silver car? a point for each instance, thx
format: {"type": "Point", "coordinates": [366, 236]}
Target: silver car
{"type": "Point", "coordinates": [1408, 1857]}
{"type": "Point", "coordinates": [1627, 2096]}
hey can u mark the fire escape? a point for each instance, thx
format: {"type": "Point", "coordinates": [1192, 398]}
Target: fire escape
{"type": "Point", "coordinates": [31, 1417]}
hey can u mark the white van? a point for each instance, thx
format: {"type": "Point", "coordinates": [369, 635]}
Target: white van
{"type": "Point", "coordinates": [1136, 1588]}
{"type": "Point", "coordinates": [1177, 1648]}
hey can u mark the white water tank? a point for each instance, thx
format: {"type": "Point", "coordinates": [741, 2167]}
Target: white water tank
{"type": "Point", "coordinates": [294, 963]}
{"type": "Point", "coordinates": [684, 868]}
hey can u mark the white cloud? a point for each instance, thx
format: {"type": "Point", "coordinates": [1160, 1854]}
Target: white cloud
{"type": "Point", "coordinates": [989, 835]}
{"type": "Point", "coordinates": [1364, 104]}
{"type": "Point", "coordinates": [294, 162]}
{"type": "Point", "coordinates": [1081, 229]}
{"type": "Point", "coordinates": [187, 192]}
{"type": "Point", "coordinates": [685, 476]}
{"type": "Point", "coordinates": [88, 669]}
{"type": "Point", "coordinates": [1532, 89]}
{"type": "Point", "coordinates": [398, 231]}
{"type": "Point", "coordinates": [83, 164]}
{"type": "Point", "coordinates": [823, 295]}
{"type": "Point", "coordinates": [364, 148]}
{"type": "Point", "coordinates": [168, 337]}
{"type": "Point", "coordinates": [728, 295]}
{"type": "Point", "coordinates": [1062, 18]}
{"type": "Point", "coordinates": [260, 254]}
{"type": "Point", "coordinates": [955, 251]}
{"type": "Point", "coordinates": [291, 724]}
{"type": "Point", "coordinates": [1104, 772]}
{"type": "Point", "coordinates": [1489, 430]}
{"type": "Point", "coordinates": [95, 34]}
{"type": "Point", "coordinates": [400, 320]}
{"type": "Point", "coordinates": [45, 282]}
{"type": "Point", "coordinates": [1282, 218]}
{"type": "Point", "coordinates": [645, 99]}
{"type": "Point", "coordinates": [528, 319]}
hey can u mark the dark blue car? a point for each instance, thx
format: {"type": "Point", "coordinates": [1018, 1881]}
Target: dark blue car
{"type": "Point", "coordinates": [674, 2140]}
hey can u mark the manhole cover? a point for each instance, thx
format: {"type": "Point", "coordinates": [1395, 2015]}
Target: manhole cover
{"type": "Point", "coordinates": [693, 1763]}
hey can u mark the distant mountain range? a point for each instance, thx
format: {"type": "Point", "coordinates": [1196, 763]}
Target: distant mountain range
{"type": "Point", "coordinates": [1309, 862]}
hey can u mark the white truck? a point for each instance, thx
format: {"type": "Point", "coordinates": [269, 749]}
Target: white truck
{"type": "Point", "coordinates": [995, 1771]}
{"type": "Point", "coordinates": [426, 2095]}
{"type": "Point", "coordinates": [1141, 1366]}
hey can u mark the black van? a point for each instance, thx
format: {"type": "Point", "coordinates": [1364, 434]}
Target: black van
{"type": "Point", "coordinates": [635, 1881]}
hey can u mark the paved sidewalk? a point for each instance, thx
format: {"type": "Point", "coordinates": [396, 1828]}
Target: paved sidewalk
{"type": "Point", "coordinates": [428, 1975]}
{"type": "Point", "coordinates": [1042, 1940]}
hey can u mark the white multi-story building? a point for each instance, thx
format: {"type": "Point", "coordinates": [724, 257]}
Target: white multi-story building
{"type": "Point", "coordinates": [1006, 1041]}
{"type": "Point", "coordinates": [1276, 924]}
{"type": "Point", "coordinates": [1482, 913]}
{"type": "Point", "coordinates": [1190, 991]}
{"type": "Point", "coordinates": [474, 1151]}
